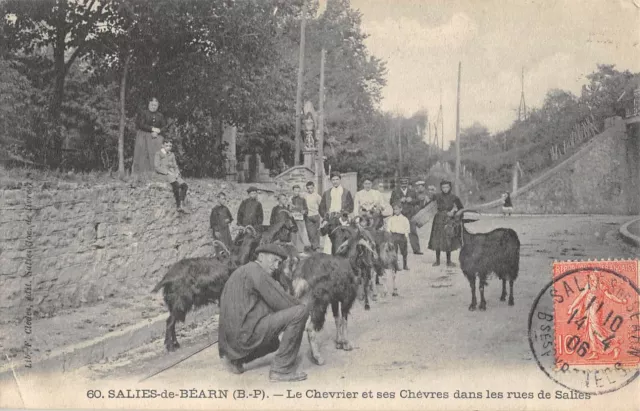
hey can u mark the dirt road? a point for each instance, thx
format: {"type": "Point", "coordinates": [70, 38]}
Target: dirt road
{"type": "Point", "coordinates": [425, 339]}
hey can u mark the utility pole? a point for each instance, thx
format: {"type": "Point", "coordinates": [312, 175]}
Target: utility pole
{"type": "Point", "coordinates": [320, 129]}
{"type": "Point", "coordinates": [440, 124]}
{"type": "Point", "coordinates": [400, 162]}
{"type": "Point", "coordinates": [303, 24]}
{"type": "Point", "coordinates": [457, 186]}
{"type": "Point", "coordinates": [522, 110]}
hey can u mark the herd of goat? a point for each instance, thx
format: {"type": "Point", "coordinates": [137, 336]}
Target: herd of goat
{"type": "Point", "coordinates": [361, 257]}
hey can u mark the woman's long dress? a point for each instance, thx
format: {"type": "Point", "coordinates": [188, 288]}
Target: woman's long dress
{"type": "Point", "coordinates": [440, 240]}
{"type": "Point", "coordinates": [147, 144]}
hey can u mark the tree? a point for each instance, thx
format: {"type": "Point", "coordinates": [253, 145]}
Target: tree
{"type": "Point", "coordinates": [65, 26]}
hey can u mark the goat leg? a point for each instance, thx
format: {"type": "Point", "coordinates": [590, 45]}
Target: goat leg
{"type": "Point", "coordinates": [472, 283]}
{"type": "Point", "coordinates": [338, 320]}
{"type": "Point", "coordinates": [314, 350]}
{"type": "Point", "coordinates": [393, 283]}
{"type": "Point", "coordinates": [366, 293]}
{"type": "Point", "coordinates": [176, 344]}
{"type": "Point", "coordinates": [511, 292]}
{"type": "Point", "coordinates": [482, 280]}
{"type": "Point", "coordinates": [346, 345]}
{"type": "Point", "coordinates": [168, 334]}
{"type": "Point", "coordinates": [503, 296]}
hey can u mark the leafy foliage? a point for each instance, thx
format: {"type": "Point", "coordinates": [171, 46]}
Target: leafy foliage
{"type": "Point", "coordinates": [491, 157]}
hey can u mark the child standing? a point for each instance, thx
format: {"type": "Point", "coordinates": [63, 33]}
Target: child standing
{"type": "Point", "coordinates": [219, 221]}
{"type": "Point", "coordinates": [312, 221]}
{"type": "Point", "coordinates": [398, 226]}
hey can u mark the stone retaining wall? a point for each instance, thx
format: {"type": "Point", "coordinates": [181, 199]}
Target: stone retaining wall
{"type": "Point", "coordinates": [77, 244]}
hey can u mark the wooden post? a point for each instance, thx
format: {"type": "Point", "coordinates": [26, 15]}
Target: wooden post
{"type": "Point", "coordinates": [320, 130]}
{"type": "Point", "coordinates": [303, 24]}
{"type": "Point", "coordinates": [457, 186]}
{"type": "Point", "coordinates": [400, 162]}
{"type": "Point", "coordinates": [123, 114]}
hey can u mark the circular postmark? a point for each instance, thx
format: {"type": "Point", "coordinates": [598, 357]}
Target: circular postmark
{"type": "Point", "coordinates": [584, 329]}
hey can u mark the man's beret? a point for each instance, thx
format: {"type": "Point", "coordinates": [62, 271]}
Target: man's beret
{"type": "Point", "coordinates": [273, 249]}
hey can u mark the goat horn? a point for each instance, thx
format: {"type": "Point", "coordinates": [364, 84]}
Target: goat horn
{"type": "Point", "coordinates": [367, 245]}
{"type": "Point", "coordinates": [253, 230]}
{"type": "Point", "coordinates": [342, 247]}
{"type": "Point", "coordinates": [221, 245]}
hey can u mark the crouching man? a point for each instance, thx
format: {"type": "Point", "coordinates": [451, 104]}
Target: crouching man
{"type": "Point", "coordinates": [254, 310]}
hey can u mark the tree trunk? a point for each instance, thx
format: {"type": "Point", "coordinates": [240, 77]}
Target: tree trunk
{"type": "Point", "coordinates": [123, 114]}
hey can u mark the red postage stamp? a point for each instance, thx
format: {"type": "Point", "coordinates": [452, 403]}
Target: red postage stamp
{"type": "Point", "coordinates": [596, 313]}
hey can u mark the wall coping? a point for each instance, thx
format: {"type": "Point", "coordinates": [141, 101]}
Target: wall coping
{"type": "Point", "coordinates": [290, 169]}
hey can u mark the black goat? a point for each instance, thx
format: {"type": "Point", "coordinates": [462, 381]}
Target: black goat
{"type": "Point", "coordinates": [339, 235]}
{"type": "Point", "coordinates": [195, 282]}
{"type": "Point", "coordinates": [249, 238]}
{"type": "Point", "coordinates": [322, 279]}
{"type": "Point", "coordinates": [191, 282]}
{"type": "Point", "coordinates": [497, 251]}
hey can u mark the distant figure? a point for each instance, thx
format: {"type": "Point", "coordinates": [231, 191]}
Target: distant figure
{"type": "Point", "coordinates": [165, 165]}
{"type": "Point", "coordinates": [220, 219]}
{"type": "Point", "coordinates": [313, 219]}
{"type": "Point", "coordinates": [299, 211]}
{"type": "Point", "coordinates": [447, 203]}
{"type": "Point", "coordinates": [398, 226]}
{"type": "Point", "coordinates": [507, 205]}
{"type": "Point", "coordinates": [250, 210]}
{"type": "Point", "coordinates": [408, 199]}
{"type": "Point", "coordinates": [368, 201]}
{"type": "Point", "coordinates": [149, 123]}
{"type": "Point", "coordinates": [281, 212]}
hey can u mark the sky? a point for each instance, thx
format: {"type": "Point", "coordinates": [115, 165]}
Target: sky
{"type": "Point", "coordinates": [557, 43]}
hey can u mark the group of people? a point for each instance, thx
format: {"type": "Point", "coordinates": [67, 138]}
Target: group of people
{"type": "Point", "coordinates": [310, 210]}
{"type": "Point", "coordinates": [255, 310]}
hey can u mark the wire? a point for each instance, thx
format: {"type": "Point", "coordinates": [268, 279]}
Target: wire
{"type": "Point", "coordinates": [179, 361]}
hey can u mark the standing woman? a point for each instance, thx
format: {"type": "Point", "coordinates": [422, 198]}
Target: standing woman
{"type": "Point", "coordinates": [447, 204]}
{"type": "Point", "coordinates": [149, 124]}
{"type": "Point", "coordinates": [507, 205]}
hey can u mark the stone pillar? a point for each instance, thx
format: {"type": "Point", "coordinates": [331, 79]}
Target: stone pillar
{"type": "Point", "coordinates": [229, 135]}
{"type": "Point", "coordinates": [309, 159]}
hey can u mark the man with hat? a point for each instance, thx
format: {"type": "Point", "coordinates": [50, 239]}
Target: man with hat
{"type": "Point", "coordinates": [254, 310]}
{"type": "Point", "coordinates": [408, 199]}
{"type": "Point", "coordinates": [250, 210]}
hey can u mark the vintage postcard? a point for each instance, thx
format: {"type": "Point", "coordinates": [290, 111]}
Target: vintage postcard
{"type": "Point", "coordinates": [320, 204]}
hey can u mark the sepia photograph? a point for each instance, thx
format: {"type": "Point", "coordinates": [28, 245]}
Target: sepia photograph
{"type": "Point", "coordinates": [320, 204]}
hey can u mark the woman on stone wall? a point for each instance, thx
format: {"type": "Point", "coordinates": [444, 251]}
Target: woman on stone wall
{"type": "Point", "coordinates": [150, 123]}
